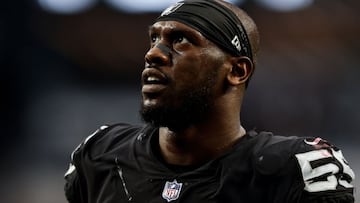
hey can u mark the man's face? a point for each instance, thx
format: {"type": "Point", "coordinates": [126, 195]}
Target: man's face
{"type": "Point", "coordinates": [182, 76]}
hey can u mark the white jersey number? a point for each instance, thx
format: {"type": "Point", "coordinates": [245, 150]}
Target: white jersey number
{"type": "Point", "coordinates": [327, 175]}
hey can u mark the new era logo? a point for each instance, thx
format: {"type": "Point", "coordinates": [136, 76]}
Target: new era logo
{"type": "Point", "coordinates": [236, 43]}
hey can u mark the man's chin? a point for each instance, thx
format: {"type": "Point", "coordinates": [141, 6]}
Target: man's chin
{"type": "Point", "coordinates": [150, 114]}
{"type": "Point", "coordinates": [192, 110]}
{"type": "Point", "coordinates": [161, 117]}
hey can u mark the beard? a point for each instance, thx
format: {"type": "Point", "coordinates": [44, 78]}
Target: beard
{"type": "Point", "coordinates": [194, 108]}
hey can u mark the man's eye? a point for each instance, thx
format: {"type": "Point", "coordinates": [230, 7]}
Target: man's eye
{"type": "Point", "coordinates": [180, 39]}
{"type": "Point", "coordinates": [154, 38]}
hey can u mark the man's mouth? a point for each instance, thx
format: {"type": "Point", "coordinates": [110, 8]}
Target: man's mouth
{"type": "Point", "coordinates": [153, 81]}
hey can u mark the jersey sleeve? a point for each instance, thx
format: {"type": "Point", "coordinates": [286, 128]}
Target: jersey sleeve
{"type": "Point", "coordinates": [326, 175]}
{"type": "Point", "coordinates": [305, 170]}
{"type": "Point", "coordinates": [74, 189]}
{"type": "Point", "coordinates": [72, 186]}
{"type": "Point", "coordinates": [81, 177]}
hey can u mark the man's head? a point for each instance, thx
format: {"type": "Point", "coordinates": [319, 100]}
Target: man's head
{"type": "Point", "coordinates": [194, 59]}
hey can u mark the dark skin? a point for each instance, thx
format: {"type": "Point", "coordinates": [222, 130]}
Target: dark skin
{"type": "Point", "coordinates": [186, 64]}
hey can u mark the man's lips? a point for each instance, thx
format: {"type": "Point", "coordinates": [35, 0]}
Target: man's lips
{"type": "Point", "coordinates": [152, 89]}
{"type": "Point", "coordinates": [153, 81]}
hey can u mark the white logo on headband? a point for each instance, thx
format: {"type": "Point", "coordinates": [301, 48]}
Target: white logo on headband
{"type": "Point", "coordinates": [236, 43]}
{"type": "Point", "coordinates": [171, 9]}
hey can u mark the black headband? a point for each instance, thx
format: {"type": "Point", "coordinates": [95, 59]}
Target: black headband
{"type": "Point", "coordinates": [213, 20]}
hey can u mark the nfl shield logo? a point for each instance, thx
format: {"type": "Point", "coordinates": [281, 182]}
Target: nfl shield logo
{"type": "Point", "coordinates": [171, 190]}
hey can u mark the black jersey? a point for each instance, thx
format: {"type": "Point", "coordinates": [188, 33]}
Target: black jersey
{"type": "Point", "coordinates": [120, 163]}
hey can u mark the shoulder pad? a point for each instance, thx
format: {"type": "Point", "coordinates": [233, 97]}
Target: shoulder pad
{"type": "Point", "coordinates": [72, 168]}
{"type": "Point", "coordinates": [89, 138]}
{"type": "Point", "coordinates": [271, 156]}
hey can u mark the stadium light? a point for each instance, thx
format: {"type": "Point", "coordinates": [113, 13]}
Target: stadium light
{"type": "Point", "coordinates": [66, 6]}
{"type": "Point", "coordinates": [285, 5]}
{"type": "Point", "coordinates": [139, 6]}
{"type": "Point", "coordinates": [144, 6]}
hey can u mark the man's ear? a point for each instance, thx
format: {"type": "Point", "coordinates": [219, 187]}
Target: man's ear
{"type": "Point", "coordinates": [242, 69]}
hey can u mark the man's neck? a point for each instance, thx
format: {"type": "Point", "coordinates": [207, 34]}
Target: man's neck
{"type": "Point", "coordinates": [197, 145]}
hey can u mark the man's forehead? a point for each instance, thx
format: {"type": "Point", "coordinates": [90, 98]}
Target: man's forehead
{"type": "Point", "coordinates": [174, 26]}
{"type": "Point", "coordinates": [163, 24]}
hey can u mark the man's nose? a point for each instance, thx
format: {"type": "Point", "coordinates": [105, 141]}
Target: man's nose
{"type": "Point", "coordinates": [159, 54]}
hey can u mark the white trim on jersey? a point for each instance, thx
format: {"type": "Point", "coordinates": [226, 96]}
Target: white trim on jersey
{"type": "Point", "coordinates": [71, 166]}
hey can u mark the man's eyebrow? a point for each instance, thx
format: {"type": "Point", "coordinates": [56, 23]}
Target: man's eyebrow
{"type": "Point", "coordinates": [151, 28]}
{"type": "Point", "coordinates": [195, 35]}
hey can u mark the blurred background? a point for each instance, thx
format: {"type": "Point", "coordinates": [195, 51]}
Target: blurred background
{"type": "Point", "coordinates": [68, 67]}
